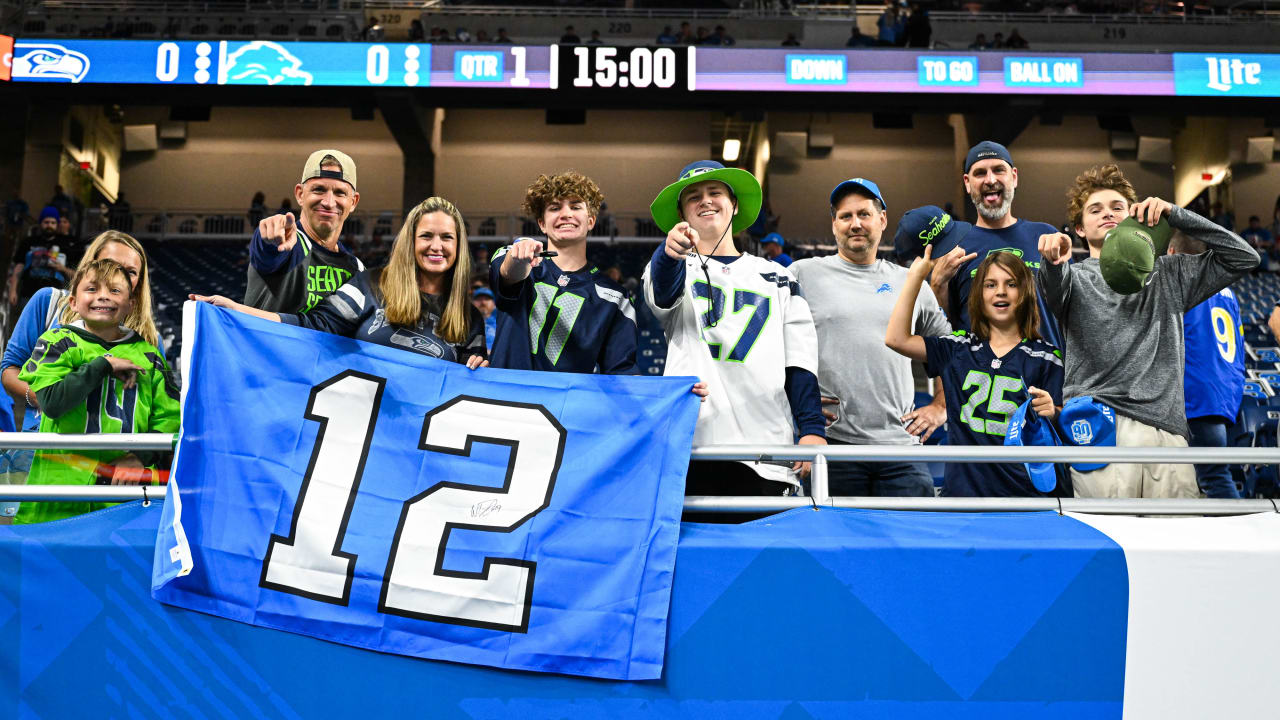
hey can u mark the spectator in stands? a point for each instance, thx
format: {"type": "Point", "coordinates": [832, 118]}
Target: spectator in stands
{"type": "Point", "coordinates": [857, 39]}
{"type": "Point", "coordinates": [462, 35]}
{"type": "Point", "coordinates": [417, 33]}
{"type": "Point", "coordinates": [420, 302]}
{"type": "Point", "coordinates": [1126, 351]}
{"type": "Point", "coordinates": [577, 319]}
{"type": "Point", "coordinates": [979, 43]}
{"type": "Point", "coordinates": [1213, 382]}
{"type": "Point", "coordinates": [722, 37]}
{"type": "Point", "coordinates": [17, 213]}
{"type": "Point", "coordinates": [286, 207]}
{"type": "Point", "coordinates": [502, 38]}
{"type": "Point", "coordinates": [852, 294]}
{"type": "Point", "coordinates": [482, 36]}
{"type": "Point", "coordinates": [482, 298]}
{"type": "Point", "coordinates": [760, 364]}
{"type": "Point", "coordinates": [685, 36]}
{"type": "Point", "coordinates": [257, 208]}
{"type": "Point", "coordinates": [666, 37]}
{"type": "Point", "coordinates": [595, 38]}
{"type": "Point", "coordinates": [294, 264]}
{"type": "Point", "coordinates": [41, 260]}
{"type": "Point", "coordinates": [790, 41]}
{"type": "Point", "coordinates": [1016, 41]}
{"type": "Point", "coordinates": [49, 309]}
{"type": "Point", "coordinates": [61, 200]}
{"type": "Point", "coordinates": [890, 25]}
{"type": "Point", "coordinates": [570, 37]}
{"type": "Point", "coordinates": [73, 367]}
{"type": "Point", "coordinates": [702, 36]}
{"type": "Point", "coordinates": [986, 374]}
{"type": "Point", "coordinates": [771, 249]}
{"type": "Point", "coordinates": [69, 239]}
{"type": "Point", "coordinates": [919, 31]}
{"type": "Point", "coordinates": [990, 179]}
{"type": "Point", "coordinates": [1275, 221]}
{"type": "Point", "coordinates": [1261, 240]}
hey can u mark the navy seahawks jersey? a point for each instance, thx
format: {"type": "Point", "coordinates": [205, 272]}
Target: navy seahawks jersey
{"type": "Point", "coordinates": [1022, 239]}
{"type": "Point", "coordinates": [1214, 380]}
{"type": "Point", "coordinates": [982, 392]}
{"type": "Point", "coordinates": [560, 321]}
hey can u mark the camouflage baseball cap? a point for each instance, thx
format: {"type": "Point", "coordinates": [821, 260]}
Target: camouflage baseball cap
{"type": "Point", "coordinates": [1129, 254]}
{"type": "Point", "coordinates": [346, 171]}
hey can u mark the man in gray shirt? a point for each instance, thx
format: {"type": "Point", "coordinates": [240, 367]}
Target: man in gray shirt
{"type": "Point", "coordinates": [851, 295]}
{"type": "Point", "coordinates": [1127, 350]}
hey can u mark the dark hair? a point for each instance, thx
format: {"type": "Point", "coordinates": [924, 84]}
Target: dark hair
{"type": "Point", "coordinates": [1025, 312]}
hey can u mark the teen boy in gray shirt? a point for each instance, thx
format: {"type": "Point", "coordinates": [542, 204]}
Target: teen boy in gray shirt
{"type": "Point", "coordinates": [1127, 350]}
{"type": "Point", "coordinates": [851, 295]}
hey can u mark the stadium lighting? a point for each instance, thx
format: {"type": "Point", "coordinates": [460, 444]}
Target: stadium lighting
{"type": "Point", "coordinates": [732, 147]}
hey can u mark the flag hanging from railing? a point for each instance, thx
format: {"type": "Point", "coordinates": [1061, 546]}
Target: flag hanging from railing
{"type": "Point", "coordinates": [391, 501]}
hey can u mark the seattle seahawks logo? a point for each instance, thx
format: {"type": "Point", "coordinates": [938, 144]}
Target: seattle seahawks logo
{"type": "Point", "coordinates": [48, 61]}
{"type": "Point", "coordinates": [379, 321]}
{"type": "Point", "coordinates": [264, 63]}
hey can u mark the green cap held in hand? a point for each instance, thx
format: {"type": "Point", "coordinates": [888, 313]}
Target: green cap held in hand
{"type": "Point", "coordinates": [1129, 254]}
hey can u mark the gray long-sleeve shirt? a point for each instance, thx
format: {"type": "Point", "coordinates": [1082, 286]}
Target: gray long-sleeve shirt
{"type": "Point", "coordinates": [1127, 350]}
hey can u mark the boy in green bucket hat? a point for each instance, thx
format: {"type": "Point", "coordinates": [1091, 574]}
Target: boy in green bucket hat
{"type": "Point", "coordinates": [1121, 312]}
{"type": "Point", "coordinates": [739, 323]}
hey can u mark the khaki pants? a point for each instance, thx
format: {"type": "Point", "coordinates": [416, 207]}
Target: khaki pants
{"type": "Point", "coordinates": [1135, 480]}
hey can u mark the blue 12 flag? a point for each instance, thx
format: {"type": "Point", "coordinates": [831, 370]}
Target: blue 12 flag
{"type": "Point", "coordinates": [390, 501]}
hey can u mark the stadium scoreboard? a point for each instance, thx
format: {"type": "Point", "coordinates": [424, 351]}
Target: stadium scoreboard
{"type": "Point", "coordinates": [671, 69]}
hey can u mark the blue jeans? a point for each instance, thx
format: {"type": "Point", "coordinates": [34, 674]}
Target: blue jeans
{"type": "Point", "coordinates": [1215, 480]}
{"type": "Point", "coordinates": [879, 479]}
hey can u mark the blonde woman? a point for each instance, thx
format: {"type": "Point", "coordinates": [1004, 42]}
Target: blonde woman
{"type": "Point", "coordinates": [49, 308]}
{"type": "Point", "coordinates": [420, 302]}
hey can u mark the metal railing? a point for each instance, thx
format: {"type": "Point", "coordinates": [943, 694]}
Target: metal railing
{"type": "Point", "coordinates": [820, 456]}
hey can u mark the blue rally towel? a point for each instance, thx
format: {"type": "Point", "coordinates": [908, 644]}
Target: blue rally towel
{"type": "Point", "coordinates": [1028, 428]}
{"type": "Point", "coordinates": [390, 501]}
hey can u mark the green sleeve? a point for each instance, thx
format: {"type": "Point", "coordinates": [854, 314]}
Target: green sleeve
{"type": "Point", "coordinates": [73, 388]}
{"type": "Point", "coordinates": [165, 411]}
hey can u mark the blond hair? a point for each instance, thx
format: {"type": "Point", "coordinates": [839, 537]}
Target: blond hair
{"type": "Point", "coordinates": [399, 280]}
{"type": "Point", "coordinates": [140, 319]}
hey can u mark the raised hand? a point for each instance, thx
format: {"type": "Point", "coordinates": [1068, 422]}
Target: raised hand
{"type": "Point", "coordinates": [1150, 211]}
{"type": "Point", "coordinates": [279, 230]}
{"type": "Point", "coordinates": [1055, 247]}
{"type": "Point", "coordinates": [945, 267]}
{"type": "Point", "coordinates": [680, 240]}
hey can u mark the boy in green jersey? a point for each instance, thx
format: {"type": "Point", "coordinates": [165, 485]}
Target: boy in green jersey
{"type": "Point", "coordinates": [96, 376]}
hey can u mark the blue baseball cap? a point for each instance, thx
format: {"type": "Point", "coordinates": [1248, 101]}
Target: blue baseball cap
{"type": "Point", "coordinates": [927, 225]}
{"type": "Point", "coordinates": [772, 237]}
{"type": "Point", "coordinates": [858, 184]}
{"type": "Point", "coordinates": [1085, 421]}
{"type": "Point", "coordinates": [987, 150]}
{"type": "Point", "coordinates": [1026, 427]}
{"type": "Point", "coordinates": [482, 292]}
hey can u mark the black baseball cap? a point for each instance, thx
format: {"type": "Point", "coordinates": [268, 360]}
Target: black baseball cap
{"type": "Point", "coordinates": [987, 150]}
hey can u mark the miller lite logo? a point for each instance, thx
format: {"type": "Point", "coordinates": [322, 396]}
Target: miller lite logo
{"type": "Point", "coordinates": [1226, 73]}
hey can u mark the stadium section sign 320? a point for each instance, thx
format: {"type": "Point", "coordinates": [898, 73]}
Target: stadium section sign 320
{"type": "Point", "coordinates": [644, 69]}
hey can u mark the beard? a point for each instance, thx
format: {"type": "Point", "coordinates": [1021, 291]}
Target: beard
{"type": "Point", "coordinates": [993, 213]}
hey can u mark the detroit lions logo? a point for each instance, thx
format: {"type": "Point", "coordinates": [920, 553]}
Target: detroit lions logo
{"type": "Point", "coordinates": [884, 288]}
{"type": "Point", "coordinates": [1081, 432]}
{"type": "Point", "coordinates": [264, 63]}
{"type": "Point", "coordinates": [47, 61]}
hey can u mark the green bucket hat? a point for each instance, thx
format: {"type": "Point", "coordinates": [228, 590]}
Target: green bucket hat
{"type": "Point", "coordinates": [1129, 253]}
{"type": "Point", "coordinates": [666, 207]}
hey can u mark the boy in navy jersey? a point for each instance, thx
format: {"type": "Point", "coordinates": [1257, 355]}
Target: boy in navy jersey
{"type": "Point", "coordinates": [560, 313]}
{"type": "Point", "coordinates": [986, 374]}
{"type": "Point", "coordinates": [1214, 379]}
{"type": "Point", "coordinates": [990, 178]}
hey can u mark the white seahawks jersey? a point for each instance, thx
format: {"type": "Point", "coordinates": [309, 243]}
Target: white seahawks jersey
{"type": "Point", "coordinates": [738, 336]}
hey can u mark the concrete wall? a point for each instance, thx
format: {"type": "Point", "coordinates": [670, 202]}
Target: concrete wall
{"type": "Point", "coordinates": [488, 157]}
{"type": "Point", "coordinates": [242, 150]}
